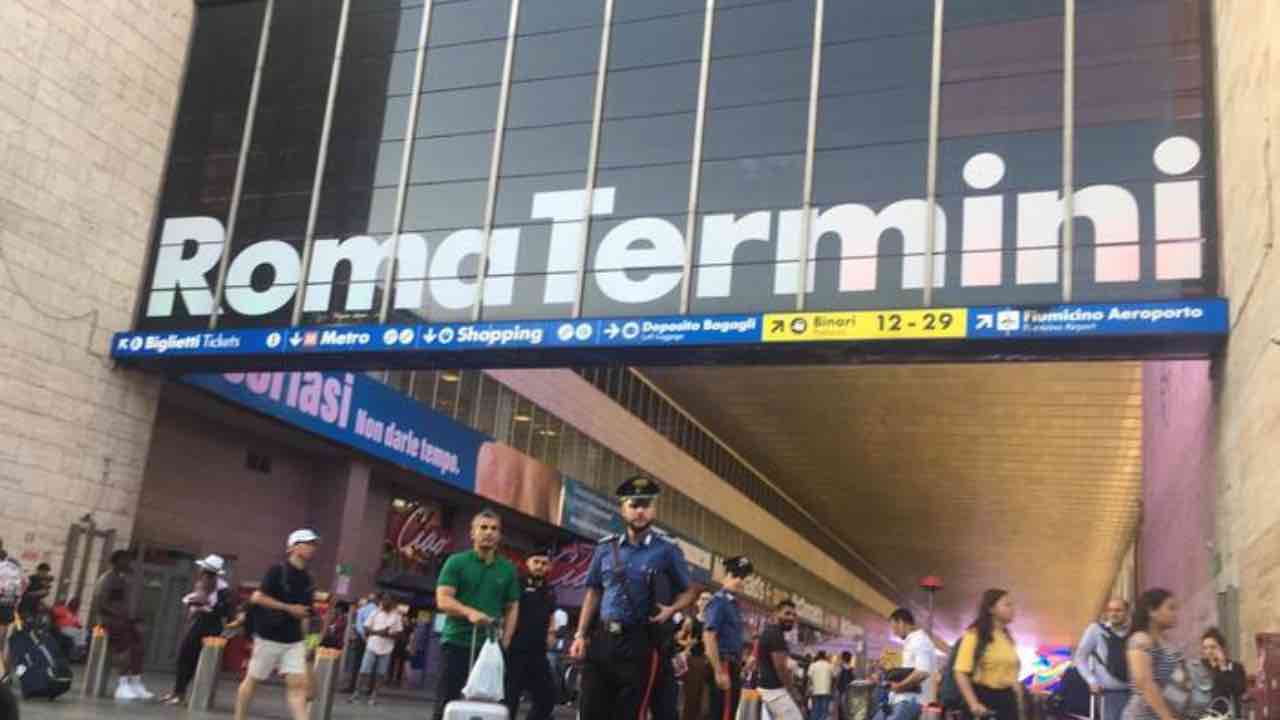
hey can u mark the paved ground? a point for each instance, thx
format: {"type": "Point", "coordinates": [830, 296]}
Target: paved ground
{"type": "Point", "coordinates": [269, 703]}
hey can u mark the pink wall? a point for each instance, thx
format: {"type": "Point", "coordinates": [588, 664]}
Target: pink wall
{"type": "Point", "coordinates": [1178, 414]}
{"type": "Point", "coordinates": [198, 496]}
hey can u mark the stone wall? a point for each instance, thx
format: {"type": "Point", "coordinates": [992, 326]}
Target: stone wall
{"type": "Point", "coordinates": [1247, 541]}
{"type": "Point", "coordinates": [88, 93]}
{"type": "Point", "coordinates": [1176, 538]}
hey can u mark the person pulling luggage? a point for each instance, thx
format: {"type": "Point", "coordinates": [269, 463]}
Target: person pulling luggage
{"type": "Point", "coordinates": [723, 639]}
{"type": "Point", "coordinates": [620, 653]}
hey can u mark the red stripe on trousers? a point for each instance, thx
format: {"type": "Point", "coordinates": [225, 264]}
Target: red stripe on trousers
{"type": "Point", "coordinates": [728, 693]}
{"type": "Point", "coordinates": [648, 688]}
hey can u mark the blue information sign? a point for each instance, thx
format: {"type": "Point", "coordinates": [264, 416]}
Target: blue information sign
{"type": "Point", "coordinates": [407, 345]}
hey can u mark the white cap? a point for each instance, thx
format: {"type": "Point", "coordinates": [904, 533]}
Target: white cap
{"type": "Point", "coordinates": [305, 535]}
{"type": "Point", "coordinates": [214, 564]}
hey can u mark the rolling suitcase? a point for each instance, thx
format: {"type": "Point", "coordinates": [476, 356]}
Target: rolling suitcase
{"type": "Point", "coordinates": [37, 662]}
{"type": "Point", "coordinates": [475, 709]}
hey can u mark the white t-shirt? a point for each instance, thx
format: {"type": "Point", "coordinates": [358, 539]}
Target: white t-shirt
{"type": "Point", "coordinates": [918, 654]}
{"type": "Point", "coordinates": [383, 621]}
{"type": "Point", "coordinates": [820, 678]}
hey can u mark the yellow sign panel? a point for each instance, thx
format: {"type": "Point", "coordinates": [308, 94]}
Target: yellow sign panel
{"type": "Point", "coordinates": [932, 324]}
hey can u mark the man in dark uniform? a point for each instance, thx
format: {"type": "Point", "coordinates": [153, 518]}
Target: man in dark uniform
{"type": "Point", "coordinates": [527, 665]}
{"type": "Point", "coordinates": [722, 636]}
{"type": "Point", "coordinates": [621, 650]}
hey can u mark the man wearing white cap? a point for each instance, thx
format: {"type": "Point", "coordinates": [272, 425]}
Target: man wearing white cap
{"type": "Point", "coordinates": [278, 608]}
{"type": "Point", "coordinates": [208, 606]}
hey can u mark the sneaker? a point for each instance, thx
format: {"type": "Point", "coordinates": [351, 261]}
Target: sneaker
{"type": "Point", "coordinates": [140, 690]}
{"type": "Point", "coordinates": [125, 691]}
{"type": "Point", "coordinates": [373, 699]}
{"type": "Point", "coordinates": [355, 697]}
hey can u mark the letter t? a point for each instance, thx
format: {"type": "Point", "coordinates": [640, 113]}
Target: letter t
{"type": "Point", "coordinates": [565, 208]}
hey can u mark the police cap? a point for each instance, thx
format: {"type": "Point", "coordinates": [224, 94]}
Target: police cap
{"type": "Point", "coordinates": [640, 487]}
{"type": "Point", "coordinates": [739, 566]}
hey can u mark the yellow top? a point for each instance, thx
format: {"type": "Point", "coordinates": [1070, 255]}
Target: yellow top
{"type": "Point", "coordinates": [999, 666]}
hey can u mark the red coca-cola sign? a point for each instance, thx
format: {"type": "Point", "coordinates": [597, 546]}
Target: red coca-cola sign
{"type": "Point", "coordinates": [570, 565]}
{"type": "Point", "coordinates": [416, 536]}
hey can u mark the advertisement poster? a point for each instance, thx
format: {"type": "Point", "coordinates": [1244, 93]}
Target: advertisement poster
{"type": "Point", "coordinates": [415, 546]}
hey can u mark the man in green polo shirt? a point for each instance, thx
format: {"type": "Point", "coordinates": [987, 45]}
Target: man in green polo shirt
{"type": "Point", "coordinates": [474, 588]}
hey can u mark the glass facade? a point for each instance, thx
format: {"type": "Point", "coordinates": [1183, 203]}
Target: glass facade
{"type": "Point", "coordinates": [592, 151]}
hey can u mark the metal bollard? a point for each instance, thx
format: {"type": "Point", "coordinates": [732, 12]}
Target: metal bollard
{"type": "Point", "coordinates": [97, 668]}
{"type": "Point", "coordinates": [204, 686]}
{"type": "Point", "coordinates": [326, 675]}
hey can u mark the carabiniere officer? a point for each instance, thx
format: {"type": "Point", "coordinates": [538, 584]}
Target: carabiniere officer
{"type": "Point", "coordinates": [724, 641]}
{"type": "Point", "coordinates": [621, 654]}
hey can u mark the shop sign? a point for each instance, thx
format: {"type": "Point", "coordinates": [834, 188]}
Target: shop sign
{"type": "Point", "coordinates": [357, 411]}
{"type": "Point", "coordinates": [587, 512]}
{"type": "Point", "coordinates": [417, 533]}
{"type": "Point", "coordinates": [570, 566]}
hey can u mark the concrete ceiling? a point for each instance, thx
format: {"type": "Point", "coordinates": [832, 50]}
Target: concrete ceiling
{"type": "Point", "coordinates": [1025, 476]}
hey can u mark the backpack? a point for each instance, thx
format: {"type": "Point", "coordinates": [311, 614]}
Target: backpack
{"type": "Point", "coordinates": [948, 691]}
{"type": "Point", "coordinates": [11, 581]}
{"type": "Point", "coordinates": [1117, 664]}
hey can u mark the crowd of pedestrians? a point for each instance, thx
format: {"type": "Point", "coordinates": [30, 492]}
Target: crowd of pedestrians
{"type": "Point", "coordinates": [643, 624]}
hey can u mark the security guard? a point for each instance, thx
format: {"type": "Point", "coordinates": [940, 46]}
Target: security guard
{"type": "Point", "coordinates": [722, 636]}
{"type": "Point", "coordinates": [621, 651]}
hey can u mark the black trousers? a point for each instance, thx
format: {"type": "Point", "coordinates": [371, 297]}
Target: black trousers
{"type": "Point", "coordinates": [189, 652]}
{"type": "Point", "coordinates": [619, 675]}
{"type": "Point", "coordinates": [724, 703]}
{"type": "Point", "coordinates": [1003, 702]}
{"type": "Point", "coordinates": [530, 672]}
{"type": "Point", "coordinates": [455, 661]}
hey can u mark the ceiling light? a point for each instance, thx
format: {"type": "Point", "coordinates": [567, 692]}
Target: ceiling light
{"type": "Point", "coordinates": [548, 433]}
{"type": "Point", "coordinates": [449, 376]}
{"type": "Point", "coordinates": [521, 418]}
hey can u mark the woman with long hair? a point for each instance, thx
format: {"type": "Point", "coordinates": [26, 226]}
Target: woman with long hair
{"type": "Point", "coordinates": [1152, 660]}
{"type": "Point", "coordinates": [1229, 680]}
{"type": "Point", "coordinates": [987, 664]}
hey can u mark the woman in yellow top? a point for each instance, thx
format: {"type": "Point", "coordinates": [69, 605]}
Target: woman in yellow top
{"type": "Point", "coordinates": [987, 664]}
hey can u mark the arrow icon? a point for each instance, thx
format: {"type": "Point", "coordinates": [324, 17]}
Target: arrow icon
{"type": "Point", "coordinates": [612, 331]}
{"type": "Point", "coordinates": [777, 326]}
{"type": "Point", "coordinates": [295, 339]}
{"type": "Point", "coordinates": [429, 336]}
{"type": "Point", "coordinates": [985, 322]}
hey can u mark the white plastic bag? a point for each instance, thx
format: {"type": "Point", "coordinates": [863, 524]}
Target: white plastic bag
{"type": "Point", "coordinates": [486, 679]}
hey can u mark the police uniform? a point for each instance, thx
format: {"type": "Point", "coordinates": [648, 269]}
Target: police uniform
{"type": "Point", "coordinates": [724, 619]}
{"type": "Point", "coordinates": [623, 660]}
{"type": "Point", "coordinates": [527, 667]}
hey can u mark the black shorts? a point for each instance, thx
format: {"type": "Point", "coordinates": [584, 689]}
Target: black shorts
{"type": "Point", "coordinates": [6, 614]}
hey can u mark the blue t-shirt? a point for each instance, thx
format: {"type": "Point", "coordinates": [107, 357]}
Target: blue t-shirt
{"type": "Point", "coordinates": [725, 620]}
{"type": "Point", "coordinates": [652, 560]}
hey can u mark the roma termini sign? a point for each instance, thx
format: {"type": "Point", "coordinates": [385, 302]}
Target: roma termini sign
{"type": "Point", "coordinates": [1142, 236]}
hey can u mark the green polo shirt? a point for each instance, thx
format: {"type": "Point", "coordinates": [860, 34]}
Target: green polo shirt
{"type": "Point", "coordinates": [488, 587]}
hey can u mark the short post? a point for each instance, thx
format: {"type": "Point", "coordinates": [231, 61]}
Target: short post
{"type": "Point", "coordinates": [204, 686]}
{"type": "Point", "coordinates": [97, 668]}
{"type": "Point", "coordinates": [326, 675]}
